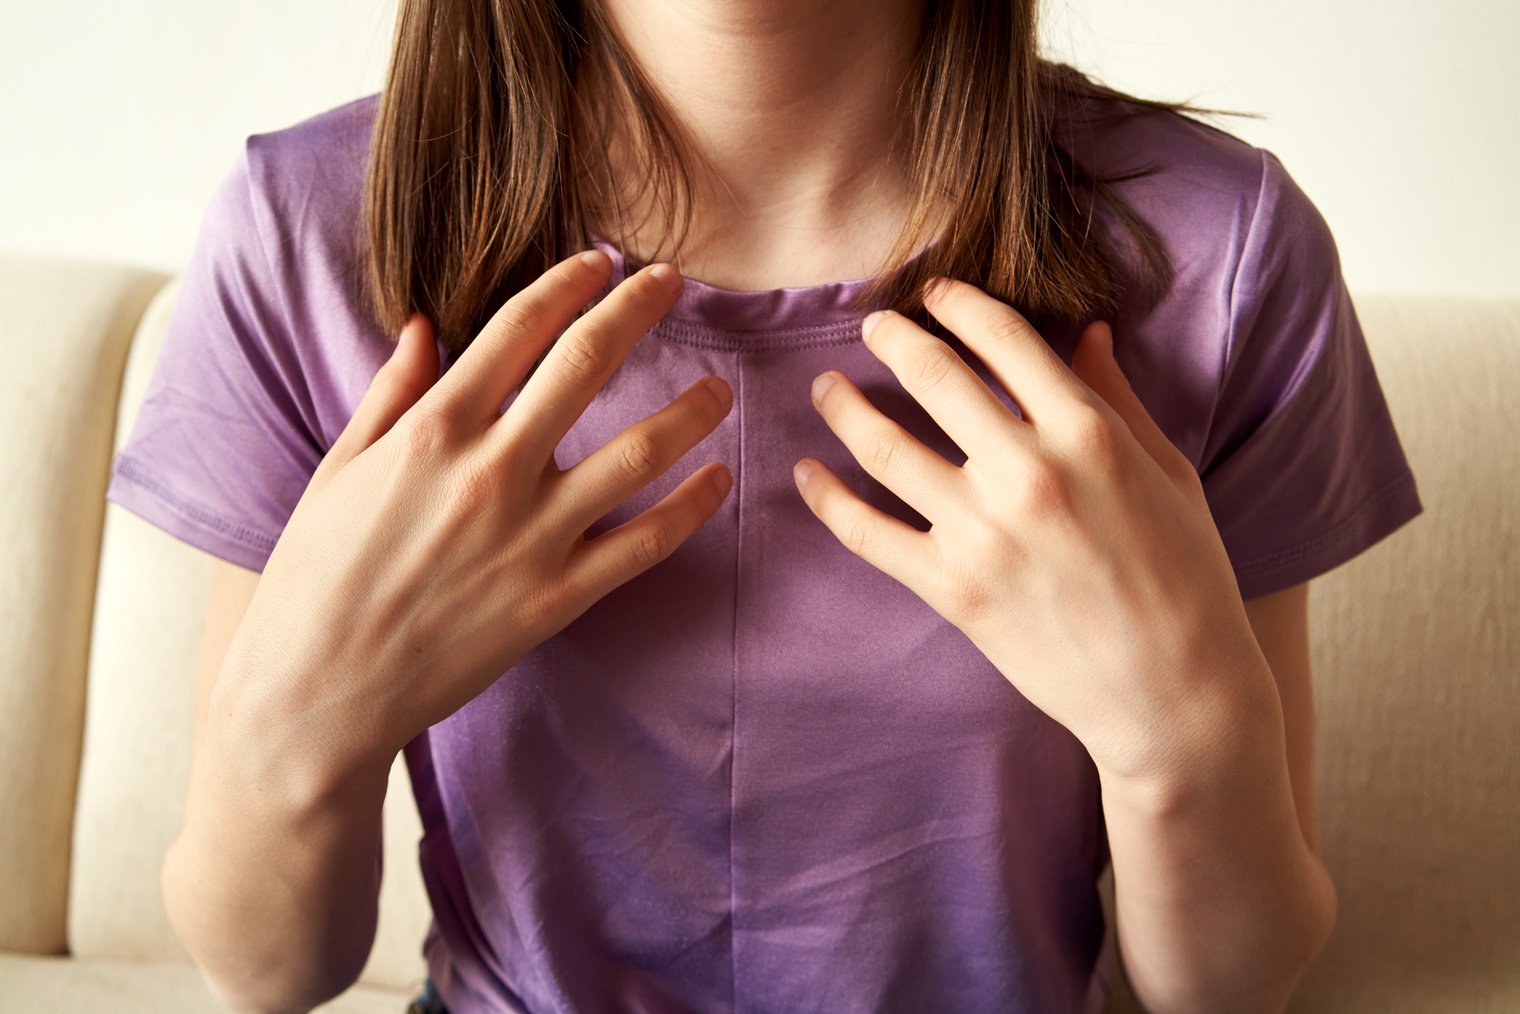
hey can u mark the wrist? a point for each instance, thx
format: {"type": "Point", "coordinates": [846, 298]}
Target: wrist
{"type": "Point", "coordinates": [302, 760]}
{"type": "Point", "coordinates": [1222, 732]}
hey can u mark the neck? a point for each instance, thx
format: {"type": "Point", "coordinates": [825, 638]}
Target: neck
{"type": "Point", "coordinates": [791, 108]}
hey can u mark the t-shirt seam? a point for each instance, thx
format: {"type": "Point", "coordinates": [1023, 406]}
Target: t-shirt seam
{"type": "Point", "coordinates": [131, 472]}
{"type": "Point", "coordinates": [733, 720]}
{"type": "Point", "coordinates": [258, 236]}
{"type": "Point", "coordinates": [842, 333]}
{"type": "Point", "coordinates": [310, 430]}
{"type": "Point", "coordinates": [1331, 535]}
{"type": "Point", "coordinates": [1230, 342]}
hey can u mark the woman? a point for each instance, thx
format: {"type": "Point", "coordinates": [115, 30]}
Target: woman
{"type": "Point", "coordinates": [739, 737]}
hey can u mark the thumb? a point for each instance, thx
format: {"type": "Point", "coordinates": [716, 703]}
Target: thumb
{"type": "Point", "coordinates": [1094, 362]}
{"type": "Point", "coordinates": [399, 383]}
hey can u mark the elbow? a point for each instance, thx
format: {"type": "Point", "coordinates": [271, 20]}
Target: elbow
{"type": "Point", "coordinates": [1327, 908]}
{"type": "Point", "coordinates": [1319, 927]}
{"type": "Point", "coordinates": [1261, 979]}
{"type": "Point", "coordinates": [242, 973]}
{"type": "Point", "coordinates": [246, 995]}
{"type": "Point", "coordinates": [263, 1000]}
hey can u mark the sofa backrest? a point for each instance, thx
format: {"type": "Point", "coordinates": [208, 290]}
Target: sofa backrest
{"type": "Point", "coordinates": [103, 615]}
{"type": "Point", "coordinates": [1416, 650]}
{"type": "Point", "coordinates": [1415, 647]}
{"type": "Point", "coordinates": [65, 327]}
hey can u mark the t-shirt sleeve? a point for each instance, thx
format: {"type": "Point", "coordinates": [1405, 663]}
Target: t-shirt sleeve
{"type": "Point", "coordinates": [1302, 467]}
{"type": "Point", "coordinates": [223, 444]}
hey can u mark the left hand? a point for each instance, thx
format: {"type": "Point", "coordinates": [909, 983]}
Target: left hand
{"type": "Point", "coordinates": [1074, 547]}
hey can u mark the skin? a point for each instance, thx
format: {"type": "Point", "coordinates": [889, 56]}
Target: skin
{"type": "Point", "coordinates": [1075, 549]}
{"type": "Point", "coordinates": [438, 541]}
{"type": "Point", "coordinates": [795, 184]}
{"type": "Point", "coordinates": [1136, 597]}
{"type": "Point", "coordinates": [435, 508]}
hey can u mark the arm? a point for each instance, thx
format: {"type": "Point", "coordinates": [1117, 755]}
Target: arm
{"type": "Point", "coordinates": [1221, 899]}
{"type": "Point", "coordinates": [272, 884]}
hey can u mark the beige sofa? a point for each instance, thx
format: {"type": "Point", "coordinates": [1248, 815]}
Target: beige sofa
{"type": "Point", "coordinates": [1416, 657]}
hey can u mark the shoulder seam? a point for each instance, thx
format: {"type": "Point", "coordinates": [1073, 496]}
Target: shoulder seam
{"type": "Point", "coordinates": [1245, 243]}
{"type": "Point", "coordinates": [311, 428]}
{"type": "Point", "coordinates": [258, 236]}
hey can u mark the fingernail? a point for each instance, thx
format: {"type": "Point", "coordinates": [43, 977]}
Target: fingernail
{"type": "Point", "coordinates": [721, 391]}
{"type": "Point", "coordinates": [800, 474]}
{"type": "Point", "coordinates": [597, 259]}
{"type": "Point", "coordinates": [869, 324]}
{"type": "Point", "coordinates": [820, 385]}
{"type": "Point", "coordinates": [669, 275]}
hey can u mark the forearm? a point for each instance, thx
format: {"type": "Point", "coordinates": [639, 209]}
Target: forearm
{"type": "Point", "coordinates": [1220, 904]}
{"type": "Point", "coordinates": [272, 884]}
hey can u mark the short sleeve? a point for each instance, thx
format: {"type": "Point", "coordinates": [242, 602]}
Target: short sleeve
{"type": "Point", "coordinates": [223, 444]}
{"type": "Point", "coordinates": [1302, 467]}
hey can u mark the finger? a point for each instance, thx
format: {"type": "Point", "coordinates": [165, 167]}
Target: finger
{"type": "Point", "coordinates": [939, 380]}
{"type": "Point", "coordinates": [643, 451]}
{"type": "Point", "coordinates": [619, 554]}
{"type": "Point", "coordinates": [1015, 353]}
{"type": "Point", "coordinates": [500, 355]}
{"type": "Point", "coordinates": [1094, 363]}
{"type": "Point", "coordinates": [889, 454]}
{"type": "Point", "coordinates": [891, 546]}
{"type": "Point", "coordinates": [581, 361]}
{"type": "Point", "coordinates": [401, 381]}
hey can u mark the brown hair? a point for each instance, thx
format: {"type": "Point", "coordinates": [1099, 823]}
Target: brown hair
{"type": "Point", "coordinates": [481, 175]}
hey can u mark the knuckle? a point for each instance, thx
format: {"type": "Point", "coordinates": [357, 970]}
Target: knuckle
{"type": "Point", "coordinates": [651, 544]}
{"type": "Point", "coordinates": [1095, 435]}
{"type": "Point", "coordinates": [857, 535]}
{"type": "Point", "coordinates": [931, 364]}
{"type": "Point", "coordinates": [882, 453]}
{"type": "Point", "coordinates": [539, 607]}
{"type": "Point", "coordinates": [474, 487]}
{"type": "Point", "coordinates": [1004, 328]}
{"type": "Point", "coordinates": [1047, 487]}
{"type": "Point", "coordinates": [427, 431]}
{"type": "Point", "coordinates": [965, 593]}
{"type": "Point", "coordinates": [519, 317]}
{"type": "Point", "coordinates": [980, 539]}
{"type": "Point", "coordinates": [638, 454]}
{"type": "Point", "coordinates": [584, 354]}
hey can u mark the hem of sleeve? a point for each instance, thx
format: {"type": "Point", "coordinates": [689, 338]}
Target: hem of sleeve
{"type": "Point", "coordinates": [1386, 510]}
{"type": "Point", "coordinates": [133, 489]}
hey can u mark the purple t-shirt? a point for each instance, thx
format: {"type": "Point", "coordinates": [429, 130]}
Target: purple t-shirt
{"type": "Point", "coordinates": [763, 775]}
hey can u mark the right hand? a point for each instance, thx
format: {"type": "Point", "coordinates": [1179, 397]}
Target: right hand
{"type": "Point", "coordinates": [438, 542]}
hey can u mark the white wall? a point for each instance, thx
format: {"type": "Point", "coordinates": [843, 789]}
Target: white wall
{"type": "Point", "coordinates": [117, 119]}
{"type": "Point", "coordinates": [1398, 118]}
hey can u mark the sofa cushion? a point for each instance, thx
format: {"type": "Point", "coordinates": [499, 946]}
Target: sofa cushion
{"type": "Point", "coordinates": [126, 987]}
